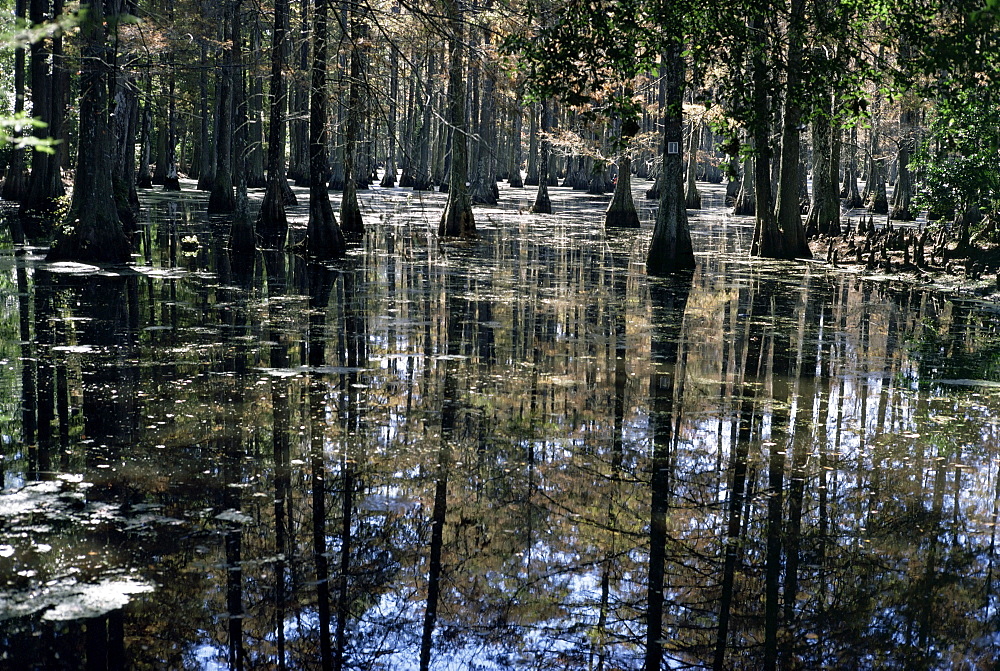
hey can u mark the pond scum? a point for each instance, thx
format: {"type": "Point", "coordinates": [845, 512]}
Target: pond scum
{"type": "Point", "coordinates": [517, 452]}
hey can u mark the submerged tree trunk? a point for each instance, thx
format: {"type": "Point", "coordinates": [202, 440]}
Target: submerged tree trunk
{"type": "Point", "coordinates": [692, 199]}
{"type": "Point", "coordinates": [92, 231]}
{"type": "Point", "coordinates": [144, 178]}
{"type": "Point", "coordinates": [849, 192]}
{"type": "Point", "coordinates": [621, 211]}
{"type": "Point", "coordinates": [45, 181]}
{"type": "Point", "coordinates": [542, 204]}
{"type": "Point", "coordinates": [789, 212]}
{"type": "Point", "coordinates": [222, 200]}
{"type": "Point", "coordinates": [242, 240]}
{"type": "Point", "coordinates": [389, 176]}
{"type": "Point", "coordinates": [514, 178]}
{"type": "Point", "coordinates": [126, 121]}
{"type": "Point", "coordinates": [272, 220]}
{"type": "Point", "coordinates": [671, 250]}
{"type": "Point", "coordinates": [324, 239]}
{"type": "Point", "coordinates": [171, 182]}
{"type": "Point", "coordinates": [457, 219]}
{"type": "Point", "coordinates": [531, 178]}
{"type": "Point", "coordinates": [484, 189]}
{"type": "Point", "coordinates": [746, 200]}
{"type": "Point", "coordinates": [255, 177]}
{"type": "Point", "coordinates": [767, 241]}
{"type": "Point", "coordinates": [824, 212]}
{"type": "Point", "coordinates": [16, 182]}
{"type": "Point", "coordinates": [298, 124]}
{"type": "Point", "coordinates": [206, 172]}
{"type": "Point", "coordinates": [350, 211]}
{"type": "Point", "coordinates": [902, 194]}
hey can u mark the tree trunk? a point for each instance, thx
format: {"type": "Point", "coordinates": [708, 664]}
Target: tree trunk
{"type": "Point", "coordinates": [542, 204]}
{"type": "Point", "coordinates": [746, 201]}
{"type": "Point", "coordinates": [670, 249]}
{"type": "Point", "coordinates": [16, 183]}
{"type": "Point", "coordinates": [789, 212]}
{"type": "Point", "coordinates": [350, 211]}
{"type": "Point", "coordinates": [170, 180]}
{"type": "Point", "coordinates": [824, 212]}
{"type": "Point", "coordinates": [206, 171]}
{"type": "Point", "coordinates": [272, 220]}
{"type": "Point", "coordinates": [692, 199]}
{"type": "Point", "coordinates": [621, 211]}
{"type": "Point", "coordinates": [45, 182]}
{"type": "Point", "coordinates": [422, 168]}
{"type": "Point", "coordinates": [903, 192]}
{"type": "Point", "coordinates": [242, 240]}
{"type": "Point", "coordinates": [143, 178]}
{"type": "Point", "coordinates": [389, 176]}
{"type": "Point", "coordinates": [484, 190]}
{"type": "Point", "coordinates": [879, 200]}
{"type": "Point", "coordinates": [767, 241]}
{"type": "Point", "coordinates": [531, 178]}
{"type": "Point", "coordinates": [255, 111]}
{"type": "Point", "coordinates": [849, 192]}
{"type": "Point", "coordinates": [324, 239]}
{"type": "Point", "coordinates": [514, 178]}
{"type": "Point", "coordinates": [126, 121]}
{"type": "Point", "coordinates": [457, 219]}
{"type": "Point", "coordinates": [298, 125]}
{"type": "Point", "coordinates": [92, 231]}
{"type": "Point", "coordinates": [222, 200]}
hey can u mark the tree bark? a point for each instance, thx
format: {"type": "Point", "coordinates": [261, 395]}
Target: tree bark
{"type": "Point", "coordinates": [902, 194]}
{"type": "Point", "coordinates": [45, 181]}
{"type": "Point", "coordinates": [242, 239]}
{"type": "Point", "coordinates": [298, 125]}
{"type": "Point", "coordinates": [350, 211]}
{"type": "Point", "coordinates": [514, 178]}
{"type": "Point", "coordinates": [531, 178]}
{"type": "Point", "coordinates": [485, 188]}
{"type": "Point", "coordinates": [789, 213]}
{"type": "Point", "coordinates": [171, 182]}
{"type": "Point", "coordinates": [92, 231]}
{"type": "Point", "coordinates": [255, 177]}
{"type": "Point", "coordinates": [670, 249]}
{"type": "Point", "coordinates": [272, 220]}
{"type": "Point", "coordinates": [849, 192]}
{"type": "Point", "coordinates": [824, 212]}
{"type": "Point", "coordinates": [621, 211]}
{"type": "Point", "coordinates": [324, 239]}
{"type": "Point", "coordinates": [542, 204]}
{"type": "Point", "coordinates": [126, 121]}
{"type": "Point", "coordinates": [422, 167]}
{"type": "Point", "coordinates": [16, 182]}
{"type": "Point", "coordinates": [746, 200]}
{"type": "Point", "coordinates": [767, 240]}
{"type": "Point", "coordinates": [389, 176]}
{"type": "Point", "coordinates": [222, 199]}
{"type": "Point", "coordinates": [692, 199]}
{"type": "Point", "coordinates": [457, 219]}
{"type": "Point", "coordinates": [206, 172]}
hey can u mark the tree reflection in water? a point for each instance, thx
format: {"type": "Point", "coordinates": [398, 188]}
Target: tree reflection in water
{"type": "Point", "coordinates": [519, 451]}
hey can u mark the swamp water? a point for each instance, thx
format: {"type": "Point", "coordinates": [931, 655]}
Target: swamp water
{"type": "Point", "coordinates": [515, 453]}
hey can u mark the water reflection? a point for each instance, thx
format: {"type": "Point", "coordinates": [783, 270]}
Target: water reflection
{"type": "Point", "coordinates": [520, 452]}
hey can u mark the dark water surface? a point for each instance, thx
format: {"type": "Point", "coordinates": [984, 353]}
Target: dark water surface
{"type": "Point", "coordinates": [517, 453]}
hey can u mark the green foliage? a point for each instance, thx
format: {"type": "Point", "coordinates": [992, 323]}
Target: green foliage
{"type": "Point", "coordinates": [574, 53]}
{"type": "Point", "coordinates": [11, 130]}
{"type": "Point", "coordinates": [959, 160]}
